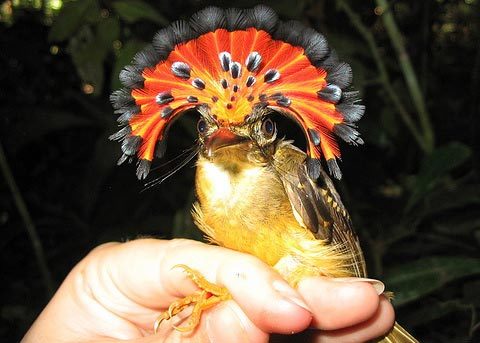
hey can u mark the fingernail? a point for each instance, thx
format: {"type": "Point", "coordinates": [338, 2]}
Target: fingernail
{"type": "Point", "coordinates": [289, 294]}
{"type": "Point", "coordinates": [377, 284]}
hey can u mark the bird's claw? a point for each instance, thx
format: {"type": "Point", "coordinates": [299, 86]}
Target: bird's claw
{"type": "Point", "coordinates": [209, 295]}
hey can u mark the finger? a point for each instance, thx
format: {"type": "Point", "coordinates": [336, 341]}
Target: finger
{"type": "Point", "coordinates": [336, 305]}
{"type": "Point", "coordinates": [225, 322]}
{"type": "Point", "coordinates": [260, 292]}
{"type": "Point", "coordinates": [144, 273]}
{"type": "Point", "coordinates": [228, 323]}
{"type": "Point", "coordinates": [378, 325]}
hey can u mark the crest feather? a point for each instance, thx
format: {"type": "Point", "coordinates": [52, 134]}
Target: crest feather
{"type": "Point", "coordinates": [233, 60]}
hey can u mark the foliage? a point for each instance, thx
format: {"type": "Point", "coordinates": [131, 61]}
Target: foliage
{"type": "Point", "coordinates": [416, 209]}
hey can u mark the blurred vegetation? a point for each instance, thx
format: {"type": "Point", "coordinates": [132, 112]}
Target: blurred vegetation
{"type": "Point", "coordinates": [413, 189]}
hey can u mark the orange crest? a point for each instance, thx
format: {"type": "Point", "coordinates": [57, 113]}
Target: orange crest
{"type": "Point", "coordinates": [232, 60]}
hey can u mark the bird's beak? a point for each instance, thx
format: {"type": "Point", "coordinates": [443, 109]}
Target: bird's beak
{"type": "Point", "coordinates": [221, 138]}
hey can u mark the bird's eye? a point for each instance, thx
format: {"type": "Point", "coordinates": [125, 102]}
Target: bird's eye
{"type": "Point", "coordinates": [268, 127]}
{"type": "Point", "coordinates": [202, 126]}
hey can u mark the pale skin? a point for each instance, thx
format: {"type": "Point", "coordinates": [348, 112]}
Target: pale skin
{"type": "Point", "coordinates": [116, 292]}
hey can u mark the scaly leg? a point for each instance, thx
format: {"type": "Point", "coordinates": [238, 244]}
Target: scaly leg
{"type": "Point", "coordinates": [209, 295]}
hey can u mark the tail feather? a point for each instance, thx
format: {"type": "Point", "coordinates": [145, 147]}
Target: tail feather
{"type": "Point", "coordinates": [397, 335]}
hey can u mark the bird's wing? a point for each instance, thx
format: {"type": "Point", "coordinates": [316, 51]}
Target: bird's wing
{"type": "Point", "coordinates": [318, 207]}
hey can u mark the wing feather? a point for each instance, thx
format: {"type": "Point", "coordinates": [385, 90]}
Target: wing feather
{"type": "Point", "coordinates": [318, 206]}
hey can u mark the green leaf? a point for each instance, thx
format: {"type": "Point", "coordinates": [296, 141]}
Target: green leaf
{"type": "Point", "coordinates": [434, 310]}
{"type": "Point", "coordinates": [442, 199]}
{"type": "Point", "coordinates": [88, 60]}
{"type": "Point", "coordinates": [70, 19]}
{"type": "Point", "coordinates": [124, 57]}
{"type": "Point", "coordinates": [437, 165]}
{"type": "Point", "coordinates": [414, 280]}
{"type": "Point", "coordinates": [462, 223]}
{"type": "Point", "coordinates": [89, 49]}
{"type": "Point", "coordinates": [134, 10]}
{"type": "Point", "coordinates": [108, 31]}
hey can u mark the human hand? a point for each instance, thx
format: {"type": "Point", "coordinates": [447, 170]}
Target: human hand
{"type": "Point", "coordinates": [118, 290]}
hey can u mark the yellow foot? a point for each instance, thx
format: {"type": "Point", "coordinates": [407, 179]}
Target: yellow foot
{"type": "Point", "coordinates": [208, 296]}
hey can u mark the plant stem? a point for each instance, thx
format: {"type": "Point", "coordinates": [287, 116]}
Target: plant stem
{"type": "Point", "coordinates": [29, 225]}
{"type": "Point", "coordinates": [409, 75]}
{"type": "Point", "coordinates": [384, 78]}
{"type": "Point", "coordinates": [425, 38]}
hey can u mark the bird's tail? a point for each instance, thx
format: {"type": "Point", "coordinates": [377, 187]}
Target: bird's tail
{"type": "Point", "coordinates": [397, 335]}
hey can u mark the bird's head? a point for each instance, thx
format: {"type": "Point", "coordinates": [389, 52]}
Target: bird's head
{"type": "Point", "coordinates": [235, 67]}
{"type": "Point", "coordinates": [250, 140]}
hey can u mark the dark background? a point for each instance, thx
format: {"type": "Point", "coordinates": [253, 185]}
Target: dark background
{"type": "Point", "coordinates": [413, 189]}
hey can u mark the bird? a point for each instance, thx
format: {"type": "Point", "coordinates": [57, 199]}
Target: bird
{"type": "Point", "coordinates": [256, 191]}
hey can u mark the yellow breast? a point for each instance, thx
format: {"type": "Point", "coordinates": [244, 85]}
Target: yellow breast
{"type": "Point", "coordinates": [244, 207]}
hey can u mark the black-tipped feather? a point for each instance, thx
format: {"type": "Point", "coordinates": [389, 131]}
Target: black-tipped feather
{"type": "Point", "coordinates": [192, 99]}
{"type": "Point", "coordinates": [348, 133]}
{"type": "Point", "coordinates": [351, 112]}
{"type": "Point", "coordinates": [131, 77]}
{"type": "Point", "coordinates": [163, 42]}
{"type": "Point", "coordinates": [331, 60]}
{"type": "Point", "coordinates": [121, 98]}
{"type": "Point", "coordinates": [182, 31]}
{"type": "Point", "coordinates": [225, 60]}
{"type": "Point", "coordinates": [289, 32]}
{"type": "Point", "coordinates": [164, 98]}
{"type": "Point", "coordinates": [167, 38]}
{"type": "Point", "coordinates": [330, 93]}
{"type": "Point", "coordinates": [263, 18]}
{"type": "Point", "coordinates": [120, 134]}
{"type": "Point", "coordinates": [284, 101]}
{"type": "Point", "coordinates": [340, 75]}
{"type": "Point", "coordinates": [131, 144]}
{"type": "Point", "coordinates": [314, 136]}
{"type": "Point", "coordinates": [181, 70]}
{"type": "Point", "coordinates": [253, 61]}
{"type": "Point", "coordinates": [127, 112]}
{"type": "Point", "coordinates": [334, 169]}
{"type": "Point", "coordinates": [351, 97]}
{"type": "Point", "coordinates": [235, 69]}
{"type": "Point", "coordinates": [316, 46]}
{"type": "Point", "coordinates": [313, 167]}
{"type": "Point", "coordinates": [235, 19]}
{"type": "Point", "coordinates": [349, 107]}
{"type": "Point", "coordinates": [271, 75]}
{"type": "Point", "coordinates": [198, 83]}
{"type": "Point", "coordinates": [208, 20]}
{"type": "Point", "coordinates": [146, 58]}
{"type": "Point", "coordinates": [122, 159]}
{"type": "Point", "coordinates": [143, 168]}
